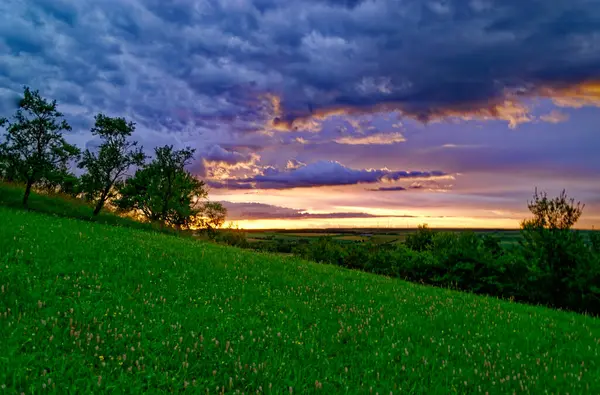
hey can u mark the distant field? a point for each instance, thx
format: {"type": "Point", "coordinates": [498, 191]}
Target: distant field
{"type": "Point", "coordinates": [86, 307]}
{"type": "Point", "coordinates": [377, 236]}
{"type": "Point", "coordinates": [310, 234]}
{"type": "Point", "coordinates": [351, 238]}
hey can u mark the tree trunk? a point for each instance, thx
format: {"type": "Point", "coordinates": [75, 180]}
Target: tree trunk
{"type": "Point", "coordinates": [99, 206]}
{"type": "Point", "coordinates": [27, 192]}
{"type": "Point", "coordinates": [101, 201]}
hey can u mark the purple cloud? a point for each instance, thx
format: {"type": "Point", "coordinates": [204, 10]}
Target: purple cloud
{"type": "Point", "coordinates": [217, 154]}
{"type": "Point", "coordinates": [254, 211]}
{"type": "Point", "coordinates": [321, 173]}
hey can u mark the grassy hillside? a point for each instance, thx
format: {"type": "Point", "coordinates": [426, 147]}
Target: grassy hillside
{"type": "Point", "coordinates": [11, 195]}
{"type": "Point", "coordinates": [89, 307]}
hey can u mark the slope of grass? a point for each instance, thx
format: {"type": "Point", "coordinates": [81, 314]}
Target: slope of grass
{"type": "Point", "coordinates": [88, 307]}
{"type": "Point", "coordinates": [11, 195]}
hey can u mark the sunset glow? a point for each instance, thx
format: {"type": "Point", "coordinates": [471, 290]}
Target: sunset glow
{"type": "Point", "coordinates": [348, 114]}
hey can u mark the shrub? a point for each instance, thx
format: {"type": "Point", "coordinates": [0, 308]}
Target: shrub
{"type": "Point", "coordinates": [324, 250]}
{"type": "Point", "coordinates": [232, 237]}
{"type": "Point", "coordinates": [416, 266]}
{"type": "Point", "coordinates": [421, 240]}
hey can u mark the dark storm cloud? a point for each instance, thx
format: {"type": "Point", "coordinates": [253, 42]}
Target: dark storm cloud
{"type": "Point", "coordinates": [158, 60]}
{"type": "Point", "coordinates": [215, 75]}
{"type": "Point", "coordinates": [218, 154]}
{"type": "Point", "coordinates": [321, 173]}
{"type": "Point", "coordinates": [254, 211]}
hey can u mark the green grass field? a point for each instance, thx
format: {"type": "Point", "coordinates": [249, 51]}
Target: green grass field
{"type": "Point", "coordinates": [11, 195]}
{"type": "Point", "coordinates": [87, 307]}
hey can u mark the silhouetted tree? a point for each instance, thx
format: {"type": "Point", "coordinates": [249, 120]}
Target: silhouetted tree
{"type": "Point", "coordinates": [109, 165]}
{"type": "Point", "coordinates": [560, 213]}
{"type": "Point", "coordinates": [213, 215]}
{"type": "Point", "coordinates": [163, 190]}
{"type": "Point", "coordinates": [34, 145]}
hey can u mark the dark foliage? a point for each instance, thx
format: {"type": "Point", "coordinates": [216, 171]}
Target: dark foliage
{"type": "Point", "coordinates": [106, 168]}
{"type": "Point", "coordinates": [34, 148]}
{"type": "Point", "coordinates": [553, 265]}
{"type": "Point", "coordinates": [164, 191]}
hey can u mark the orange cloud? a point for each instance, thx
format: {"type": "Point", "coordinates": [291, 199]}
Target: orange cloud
{"type": "Point", "coordinates": [509, 110]}
{"type": "Point", "coordinates": [577, 96]}
{"type": "Point", "coordinates": [222, 170]}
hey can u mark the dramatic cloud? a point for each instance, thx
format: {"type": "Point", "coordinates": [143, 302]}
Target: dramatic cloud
{"type": "Point", "coordinates": [322, 173]}
{"type": "Point", "coordinates": [381, 84]}
{"type": "Point", "coordinates": [218, 154]}
{"type": "Point", "coordinates": [256, 211]}
{"type": "Point", "coordinates": [172, 65]}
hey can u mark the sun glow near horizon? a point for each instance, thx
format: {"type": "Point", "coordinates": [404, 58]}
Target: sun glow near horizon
{"type": "Point", "coordinates": [379, 222]}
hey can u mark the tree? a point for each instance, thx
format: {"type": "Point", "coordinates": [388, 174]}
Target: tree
{"type": "Point", "coordinates": [558, 255]}
{"type": "Point", "coordinates": [421, 240]}
{"type": "Point", "coordinates": [60, 180]}
{"type": "Point", "coordinates": [213, 215]}
{"type": "Point", "coordinates": [5, 169]}
{"type": "Point", "coordinates": [560, 213]}
{"type": "Point", "coordinates": [34, 145]}
{"type": "Point", "coordinates": [163, 190]}
{"type": "Point", "coordinates": [115, 156]}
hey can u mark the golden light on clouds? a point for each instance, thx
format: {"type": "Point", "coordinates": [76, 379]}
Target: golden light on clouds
{"type": "Point", "coordinates": [510, 110]}
{"type": "Point", "coordinates": [577, 96]}
{"type": "Point", "coordinates": [510, 107]}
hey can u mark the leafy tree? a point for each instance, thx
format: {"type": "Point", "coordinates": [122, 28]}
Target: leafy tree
{"type": "Point", "coordinates": [115, 156]}
{"type": "Point", "coordinates": [60, 180]}
{"type": "Point", "coordinates": [560, 258]}
{"type": "Point", "coordinates": [34, 145]}
{"type": "Point", "coordinates": [5, 169]}
{"type": "Point", "coordinates": [560, 213]}
{"type": "Point", "coordinates": [421, 239]}
{"type": "Point", "coordinates": [213, 215]}
{"type": "Point", "coordinates": [163, 190]}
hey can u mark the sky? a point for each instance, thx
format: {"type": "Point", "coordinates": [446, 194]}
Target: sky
{"type": "Point", "coordinates": [334, 113]}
